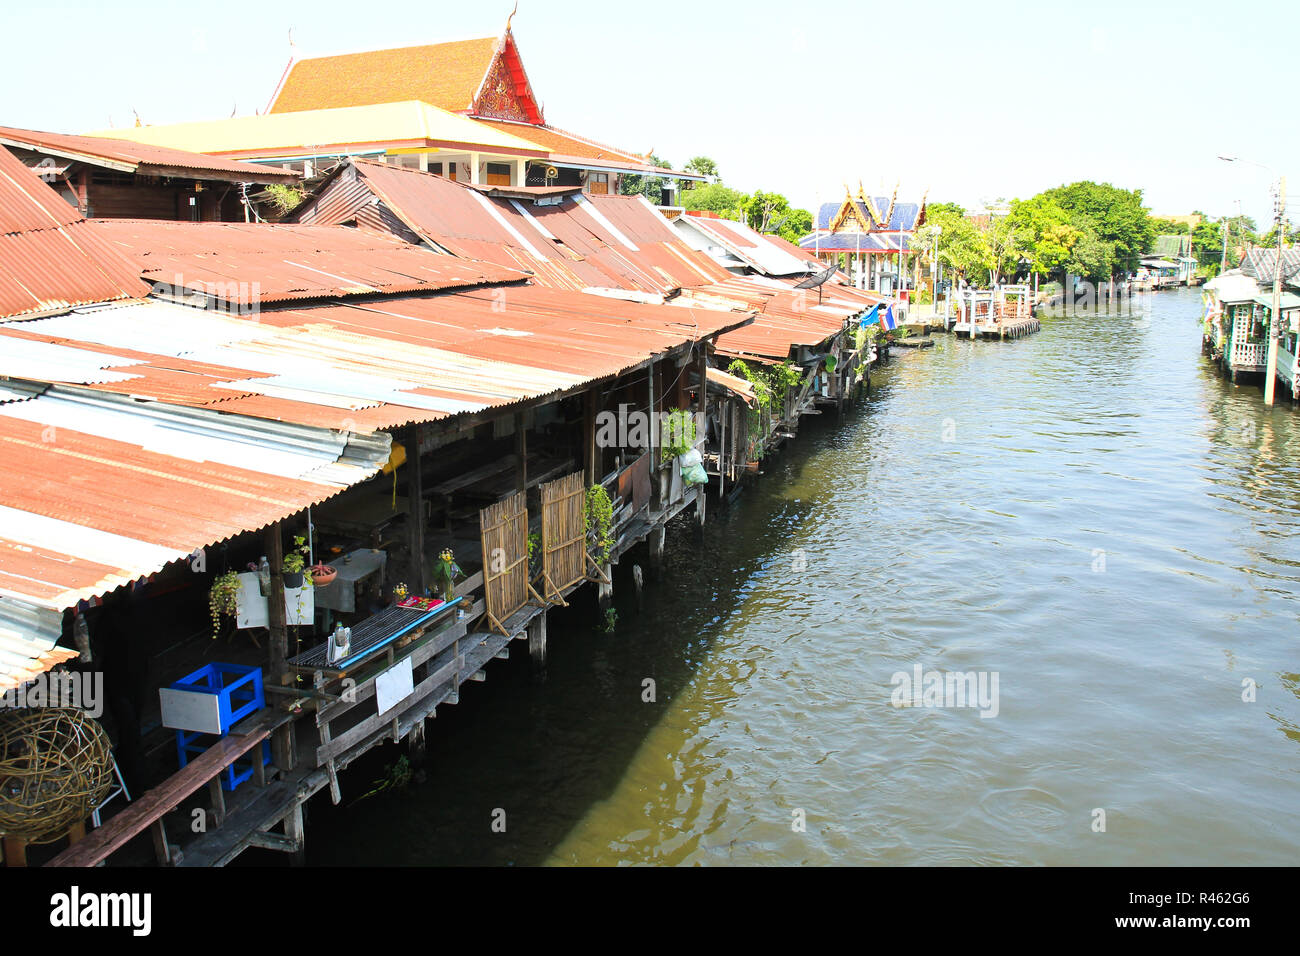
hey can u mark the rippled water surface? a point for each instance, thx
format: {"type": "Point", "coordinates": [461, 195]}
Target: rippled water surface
{"type": "Point", "coordinates": [1092, 513]}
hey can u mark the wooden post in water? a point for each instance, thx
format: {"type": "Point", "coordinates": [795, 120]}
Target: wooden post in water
{"type": "Point", "coordinates": [655, 542]}
{"type": "Point", "coordinates": [415, 742]}
{"type": "Point", "coordinates": [537, 641]}
{"type": "Point", "coordinates": [296, 830]}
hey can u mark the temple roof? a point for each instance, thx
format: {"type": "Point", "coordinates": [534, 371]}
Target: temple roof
{"type": "Point", "coordinates": [483, 76]}
{"type": "Point", "coordinates": [904, 217]}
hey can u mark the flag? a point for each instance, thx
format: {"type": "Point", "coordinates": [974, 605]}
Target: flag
{"type": "Point", "coordinates": [872, 317]}
{"type": "Point", "coordinates": [888, 323]}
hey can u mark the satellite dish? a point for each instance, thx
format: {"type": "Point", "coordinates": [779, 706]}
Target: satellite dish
{"type": "Point", "coordinates": [817, 280]}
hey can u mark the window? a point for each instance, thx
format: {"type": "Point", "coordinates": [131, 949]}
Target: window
{"type": "Point", "coordinates": [435, 168]}
{"type": "Point", "coordinates": [598, 183]}
{"type": "Point", "coordinates": [498, 174]}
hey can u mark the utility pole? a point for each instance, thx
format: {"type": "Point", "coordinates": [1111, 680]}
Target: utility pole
{"type": "Point", "coordinates": [1275, 320]}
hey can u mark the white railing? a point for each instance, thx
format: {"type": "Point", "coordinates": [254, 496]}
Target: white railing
{"type": "Point", "coordinates": [1246, 354]}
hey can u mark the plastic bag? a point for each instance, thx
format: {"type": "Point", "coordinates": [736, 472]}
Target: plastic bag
{"type": "Point", "coordinates": [692, 465]}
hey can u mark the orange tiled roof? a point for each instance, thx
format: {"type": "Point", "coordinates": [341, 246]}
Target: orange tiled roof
{"type": "Point", "coordinates": [446, 75]}
{"type": "Point", "coordinates": [556, 141]}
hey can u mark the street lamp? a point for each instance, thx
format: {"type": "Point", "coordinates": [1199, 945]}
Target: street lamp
{"type": "Point", "coordinates": [1274, 325]}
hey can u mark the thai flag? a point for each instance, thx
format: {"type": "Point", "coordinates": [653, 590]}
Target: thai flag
{"type": "Point", "coordinates": [888, 322]}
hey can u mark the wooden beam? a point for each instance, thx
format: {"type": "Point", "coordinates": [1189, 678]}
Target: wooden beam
{"type": "Point", "coordinates": [415, 503]}
{"type": "Point", "coordinates": [521, 454]}
{"type": "Point", "coordinates": [590, 453]}
{"type": "Point", "coordinates": [278, 642]}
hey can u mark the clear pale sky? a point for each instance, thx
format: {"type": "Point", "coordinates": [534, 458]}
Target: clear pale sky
{"type": "Point", "coordinates": [972, 101]}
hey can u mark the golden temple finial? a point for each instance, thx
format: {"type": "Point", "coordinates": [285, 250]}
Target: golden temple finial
{"type": "Point", "coordinates": [512, 15]}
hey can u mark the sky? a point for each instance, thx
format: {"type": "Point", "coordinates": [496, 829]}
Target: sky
{"type": "Point", "coordinates": [963, 102]}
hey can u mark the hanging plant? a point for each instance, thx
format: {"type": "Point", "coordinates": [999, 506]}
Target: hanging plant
{"type": "Point", "coordinates": [534, 555]}
{"type": "Point", "coordinates": [677, 434]}
{"type": "Point", "coordinates": [445, 572]}
{"type": "Point", "coordinates": [294, 564]}
{"type": "Point", "coordinates": [600, 515]}
{"type": "Point", "coordinates": [223, 598]}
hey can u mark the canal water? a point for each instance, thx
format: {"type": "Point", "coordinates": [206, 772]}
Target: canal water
{"type": "Point", "coordinates": [1091, 515]}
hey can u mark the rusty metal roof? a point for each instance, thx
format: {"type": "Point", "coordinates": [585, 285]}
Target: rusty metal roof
{"type": "Point", "coordinates": [84, 513]}
{"type": "Point", "coordinates": [50, 258]}
{"type": "Point", "coordinates": [573, 242]}
{"type": "Point", "coordinates": [749, 246]}
{"type": "Point", "coordinates": [787, 317]}
{"type": "Point", "coordinates": [131, 157]}
{"type": "Point", "coordinates": [252, 263]}
{"type": "Point", "coordinates": [363, 366]}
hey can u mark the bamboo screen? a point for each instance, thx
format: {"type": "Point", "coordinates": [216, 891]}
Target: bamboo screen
{"type": "Point", "coordinates": [503, 528]}
{"type": "Point", "coordinates": [564, 535]}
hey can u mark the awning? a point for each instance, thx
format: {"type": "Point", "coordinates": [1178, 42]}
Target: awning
{"type": "Point", "coordinates": [734, 384]}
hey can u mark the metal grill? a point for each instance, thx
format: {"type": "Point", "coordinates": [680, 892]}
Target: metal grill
{"type": "Point", "coordinates": [372, 634]}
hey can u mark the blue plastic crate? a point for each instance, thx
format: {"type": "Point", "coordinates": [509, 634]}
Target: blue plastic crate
{"type": "Point", "coordinates": [189, 746]}
{"type": "Point", "coordinates": [238, 691]}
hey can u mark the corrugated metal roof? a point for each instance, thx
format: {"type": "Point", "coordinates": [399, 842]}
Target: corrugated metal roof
{"type": "Point", "coordinates": [49, 257]}
{"type": "Point", "coordinates": [788, 317]}
{"type": "Point", "coordinates": [576, 243]}
{"type": "Point", "coordinates": [249, 263]}
{"type": "Point", "coordinates": [27, 636]}
{"type": "Point", "coordinates": [85, 513]}
{"type": "Point", "coordinates": [146, 158]}
{"type": "Point", "coordinates": [373, 365]}
{"type": "Point", "coordinates": [748, 245]}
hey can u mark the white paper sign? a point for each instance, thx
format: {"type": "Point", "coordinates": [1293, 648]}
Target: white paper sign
{"type": "Point", "coordinates": [192, 710]}
{"type": "Point", "coordinates": [394, 685]}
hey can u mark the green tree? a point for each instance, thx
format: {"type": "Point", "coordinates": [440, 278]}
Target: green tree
{"type": "Point", "coordinates": [1049, 234]}
{"type": "Point", "coordinates": [1116, 218]}
{"type": "Point", "coordinates": [718, 198]}
{"type": "Point", "coordinates": [772, 213]}
{"type": "Point", "coordinates": [704, 167]}
{"type": "Point", "coordinates": [1167, 227]}
{"type": "Point", "coordinates": [633, 184]}
{"type": "Point", "coordinates": [1207, 242]}
{"type": "Point", "coordinates": [1006, 241]}
{"type": "Point", "coordinates": [1091, 257]}
{"type": "Point", "coordinates": [962, 247]}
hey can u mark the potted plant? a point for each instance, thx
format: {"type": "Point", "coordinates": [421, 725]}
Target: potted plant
{"type": "Point", "coordinates": [322, 574]}
{"type": "Point", "coordinates": [293, 566]}
{"type": "Point", "coordinates": [445, 572]}
{"type": "Point", "coordinates": [223, 598]}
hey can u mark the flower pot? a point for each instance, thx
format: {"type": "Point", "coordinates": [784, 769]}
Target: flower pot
{"type": "Point", "coordinates": [293, 579]}
{"type": "Point", "coordinates": [323, 574]}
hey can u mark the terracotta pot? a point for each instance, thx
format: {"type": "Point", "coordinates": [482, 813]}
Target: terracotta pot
{"type": "Point", "coordinates": [322, 574]}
